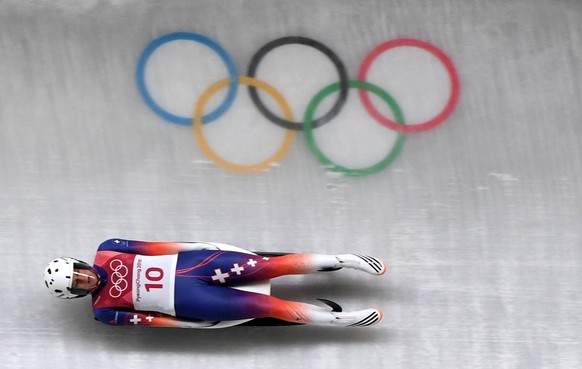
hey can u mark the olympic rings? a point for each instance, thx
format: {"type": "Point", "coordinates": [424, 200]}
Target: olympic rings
{"type": "Point", "coordinates": [119, 283]}
{"type": "Point", "coordinates": [454, 79]}
{"type": "Point", "coordinates": [341, 69]}
{"type": "Point", "coordinates": [309, 123]}
{"type": "Point", "coordinates": [308, 129]}
{"type": "Point", "coordinates": [239, 168]}
{"type": "Point", "coordinates": [140, 72]}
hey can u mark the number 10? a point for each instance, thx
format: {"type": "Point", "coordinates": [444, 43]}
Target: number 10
{"type": "Point", "coordinates": [154, 275]}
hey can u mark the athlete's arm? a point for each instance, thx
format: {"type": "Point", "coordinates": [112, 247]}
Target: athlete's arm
{"type": "Point", "coordinates": [125, 317]}
{"type": "Point", "coordinates": [153, 248]}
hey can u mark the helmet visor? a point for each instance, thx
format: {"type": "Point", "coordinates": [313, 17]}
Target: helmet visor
{"type": "Point", "coordinates": [83, 281]}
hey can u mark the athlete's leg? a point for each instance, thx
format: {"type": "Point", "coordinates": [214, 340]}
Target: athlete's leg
{"type": "Point", "coordinates": [218, 303]}
{"type": "Point", "coordinates": [311, 263]}
{"type": "Point", "coordinates": [229, 268]}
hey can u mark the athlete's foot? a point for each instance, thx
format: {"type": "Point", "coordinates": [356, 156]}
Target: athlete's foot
{"type": "Point", "coordinates": [361, 318]}
{"type": "Point", "coordinates": [368, 264]}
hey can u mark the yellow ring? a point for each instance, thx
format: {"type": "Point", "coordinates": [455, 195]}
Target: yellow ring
{"type": "Point", "coordinates": [239, 168]}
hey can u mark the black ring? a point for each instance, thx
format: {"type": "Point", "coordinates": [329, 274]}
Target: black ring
{"type": "Point", "coordinates": [341, 69]}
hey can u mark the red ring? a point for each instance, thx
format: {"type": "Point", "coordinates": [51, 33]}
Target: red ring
{"type": "Point", "coordinates": [440, 118]}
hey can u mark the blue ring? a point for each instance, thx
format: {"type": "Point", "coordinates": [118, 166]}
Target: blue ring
{"type": "Point", "coordinates": [186, 121]}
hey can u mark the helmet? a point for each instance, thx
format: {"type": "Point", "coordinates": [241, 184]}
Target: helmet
{"type": "Point", "coordinates": [58, 277]}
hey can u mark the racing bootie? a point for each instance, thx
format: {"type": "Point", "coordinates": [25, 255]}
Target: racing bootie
{"type": "Point", "coordinates": [337, 317]}
{"type": "Point", "coordinates": [368, 264]}
{"type": "Point", "coordinates": [360, 318]}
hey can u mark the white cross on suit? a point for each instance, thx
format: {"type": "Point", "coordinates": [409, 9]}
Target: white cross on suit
{"type": "Point", "coordinates": [220, 276]}
{"type": "Point", "coordinates": [252, 262]}
{"type": "Point", "coordinates": [237, 269]}
{"type": "Point", "coordinates": [136, 319]}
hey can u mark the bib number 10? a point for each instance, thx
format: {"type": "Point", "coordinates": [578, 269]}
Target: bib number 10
{"type": "Point", "coordinates": [154, 274]}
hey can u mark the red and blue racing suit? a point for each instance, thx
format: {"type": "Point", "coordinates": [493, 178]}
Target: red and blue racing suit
{"type": "Point", "coordinates": [188, 284]}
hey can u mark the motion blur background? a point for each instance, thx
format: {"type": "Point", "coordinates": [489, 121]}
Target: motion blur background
{"type": "Point", "coordinates": [478, 218]}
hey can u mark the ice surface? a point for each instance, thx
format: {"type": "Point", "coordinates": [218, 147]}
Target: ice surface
{"type": "Point", "coordinates": [479, 219]}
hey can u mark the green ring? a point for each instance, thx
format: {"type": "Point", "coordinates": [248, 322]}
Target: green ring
{"type": "Point", "coordinates": [308, 129]}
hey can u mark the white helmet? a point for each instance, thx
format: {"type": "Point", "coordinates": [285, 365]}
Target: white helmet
{"type": "Point", "coordinates": [58, 277]}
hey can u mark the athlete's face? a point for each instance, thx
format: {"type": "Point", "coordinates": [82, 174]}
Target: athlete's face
{"type": "Point", "coordinates": [84, 279]}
